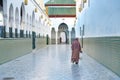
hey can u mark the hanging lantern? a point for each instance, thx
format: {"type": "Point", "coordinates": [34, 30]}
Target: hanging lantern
{"type": "Point", "coordinates": [35, 9]}
{"type": "Point", "coordinates": [80, 9]}
{"type": "Point", "coordinates": [84, 1]}
{"type": "Point", "coordinates": [26, 2]}
{"type": "Point", "coordinates": [41, 16]}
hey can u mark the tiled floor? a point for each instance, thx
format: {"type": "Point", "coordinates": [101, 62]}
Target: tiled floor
{"type": "Point", "coordinates": [53, 63]}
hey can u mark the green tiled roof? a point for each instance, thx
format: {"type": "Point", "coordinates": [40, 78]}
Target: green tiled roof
{"type": "Point", "coordinates": [61, 2]}
{"type": "Point", "coordinates": [61, 7]}
{"type": "Point", "coordinates": [61, 11]}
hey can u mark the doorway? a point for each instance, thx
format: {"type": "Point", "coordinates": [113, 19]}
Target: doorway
{"type": "Point", "coordinates": [63, 37]}
{"type": "Point", "coordinates": [63, 34]}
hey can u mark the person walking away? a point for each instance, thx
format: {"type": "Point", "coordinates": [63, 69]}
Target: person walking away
{"type": "Point", "coordinates": [76, 49]}
{"type": "Point", "coordinates": [60, 40]}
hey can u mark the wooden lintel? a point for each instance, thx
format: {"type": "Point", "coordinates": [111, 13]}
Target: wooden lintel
{"type": "Point", "coordinates": [62, 16]}
{"type": "Point", "coordinates": [60, 4]}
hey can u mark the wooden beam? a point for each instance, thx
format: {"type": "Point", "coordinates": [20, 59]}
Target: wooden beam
{"type": "Point", "coordinates": [60, 4]}
{"type": "Point", "coordinates": [62, 16]}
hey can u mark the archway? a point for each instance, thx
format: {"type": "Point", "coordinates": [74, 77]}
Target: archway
{"type": "Point", "coordinates": [53, 36]}
{"type": "Point", "coordinates": [39, 23]}
{"type": "Point", "coordinates": [16, 22]}
{"type": "Point", "coordinates": [22, 21]}
{"type": "Point", "coordinates": [4, 11]}
{"type": "Point", "coordinates": [27, 26]}
{"type": "Point", "coordinates": [11, 21]}
{"type": "Point", "coordinates": [30, 27]}
{"type": "Point", "coordinates": [63, 30]}
{"type": "Point", "coordinates": [33, 19]}
{"type": "Point", "coordinates": [1, 20]}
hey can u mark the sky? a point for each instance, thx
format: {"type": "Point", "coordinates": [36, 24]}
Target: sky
{"type": "Point", "coordinates": [46, 1]}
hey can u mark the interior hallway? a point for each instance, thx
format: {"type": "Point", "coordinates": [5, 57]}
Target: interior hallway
{"type": "Point", "coordinates": [53, 63]}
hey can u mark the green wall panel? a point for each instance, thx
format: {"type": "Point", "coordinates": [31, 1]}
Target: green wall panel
{"type": "Point", "coordinates": [13, 48]}
{"type": "Point", "coordinates": [64, 11]}
{"type": "Point", "coordinates": [40, 42]}
{"type": "Point", "coordinates": [105, 50]}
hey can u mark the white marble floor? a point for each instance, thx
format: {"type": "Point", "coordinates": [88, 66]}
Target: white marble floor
{"type": "Point", "coordinates": [53, 63]}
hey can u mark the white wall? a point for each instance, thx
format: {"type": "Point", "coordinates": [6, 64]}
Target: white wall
{"type": "Point", "coordinates": [1, 18]}
{"type": "Point", "coordinates": [101, 18]}
{"type": "Point", "coordinates": [57, 21]}
{"type": "Point", "coordinates": [39, 26]}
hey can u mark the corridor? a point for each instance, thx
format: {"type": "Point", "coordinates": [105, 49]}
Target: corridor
{"type": "Point", "coordinates": [53, 63]}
